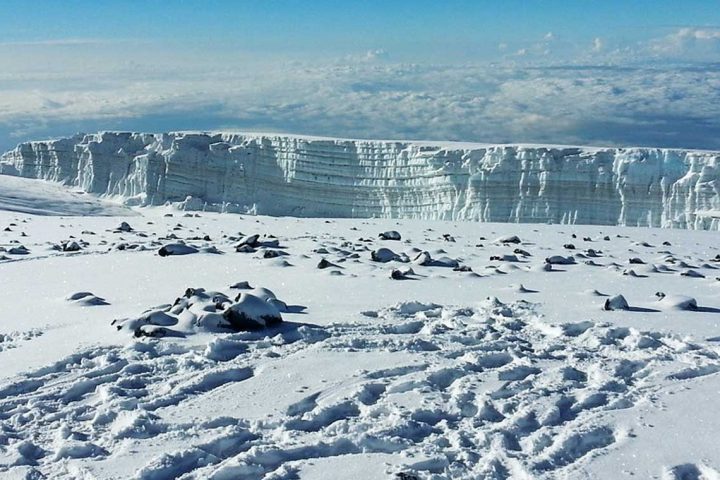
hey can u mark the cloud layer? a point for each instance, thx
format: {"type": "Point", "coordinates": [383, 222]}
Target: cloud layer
{"type": "Point", "coordinates": [595, 99]}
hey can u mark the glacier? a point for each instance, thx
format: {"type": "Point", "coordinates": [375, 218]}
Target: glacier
{"type": "Point", "coordinates": [279, 174]}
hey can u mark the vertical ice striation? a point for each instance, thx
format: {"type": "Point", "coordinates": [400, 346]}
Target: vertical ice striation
{"type": "Point", "coordinates": [305, 176]}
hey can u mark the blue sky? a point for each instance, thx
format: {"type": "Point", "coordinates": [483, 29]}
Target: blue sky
{"type": "Point", "coordinates": [598, 72]}
{"type": "Point", "coordinates": [414, 30]}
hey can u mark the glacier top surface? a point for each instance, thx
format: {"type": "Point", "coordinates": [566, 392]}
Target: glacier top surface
{"type": "Point", "coordinates": [440, 144]}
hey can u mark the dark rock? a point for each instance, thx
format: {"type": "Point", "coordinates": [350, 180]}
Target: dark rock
{"type": "Point", "coordinates": [560, 260]}
{"type": "Point", "coordinates": [124, 227]}
{"type": "Point", "coordinates": [251, 313]}
{"type": "Point", "coordinates": [617, 302]}
{"type": "Point", "coordinates": [383, 255]}
{"type": "Point", "coordinates": [323, 264]}
{"type": "Point", "coordinates": [176, 249]}
{"type": "Point", "coordinates": [390, 235]}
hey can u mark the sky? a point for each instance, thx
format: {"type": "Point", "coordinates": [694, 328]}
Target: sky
{"type": "Point", "coordinates": [610, 72]}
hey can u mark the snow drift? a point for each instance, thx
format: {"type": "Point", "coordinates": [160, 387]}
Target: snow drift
{"type": "Point", "coordinates": [319, 177]}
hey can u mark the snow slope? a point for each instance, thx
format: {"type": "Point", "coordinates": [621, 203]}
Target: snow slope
{"type": "Point", "coordinates": [320, 177]}
{"type": "Point", "coordinates": [48, 198]}
{"type": "Point", "coordinates": [511, 370]}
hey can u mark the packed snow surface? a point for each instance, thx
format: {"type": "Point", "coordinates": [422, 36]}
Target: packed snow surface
{"type": "Point", "coordinates": [320, 177]}
{"type": "Point", "coordinates": [276, 348]}
{"type": "Point", "coordinates": [48, 198]}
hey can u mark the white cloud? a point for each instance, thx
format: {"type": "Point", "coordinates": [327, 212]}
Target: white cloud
{"type": "Point", "coordinates": [522, 99]}
{"type": "Point", "coordinates": [370, 56]}
{"type": "Point", "coordinates": [598, 44]}
{"type": "Point", "coordinates": [689, 43]}
{"type": "Point", "coordinates": [378, 54]}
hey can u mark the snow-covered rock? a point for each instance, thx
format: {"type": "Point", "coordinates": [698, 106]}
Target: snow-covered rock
{"type": "Point", "coordinates": [251, 313]}
{"type": "Point", "coordinates": [176, 249]}
{"type": "Point", "coordinates": [303, 176]}
{"type": "Point", "coordinates": [390, 235]}
{"type": "Point", "coordinates": [678, 302]}
{"type": "Point", "coordinates": [71, 246]}
{"type": "Point", "coordinates": [383, 255]}
{"type": "Point", "coordinates": [616, 302]}
{"type": "Point", "coordinates": [86, 299]}
{"type": "Point", "coordinates": [560, 260]}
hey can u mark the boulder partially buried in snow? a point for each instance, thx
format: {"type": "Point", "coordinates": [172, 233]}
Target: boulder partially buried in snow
{"type": "Point", "coordinates": [268, 296]}
{"type": "Point", "coordinates": [390, 235]}
{"type": "Point", "coordinates": [617, 302]}
{"type": "Point", "coordinates": [692, 273]}
{"type": "Point", "coordinates": [508, 239]}
{"type": "Point", "coordinates": [250, 242]}
{"type": "Point", "coordinates": [504, 258]}
{"type": "Point", "coordinates": [401, 273]}
{"type": "Point", "coordinates": [176, 249]}
{"type": "Point", "coordinates": [678, 302]}
{"type": "Point", "coordinates": [200, 310]}
{"type": "Point", "coordinates": [422, 258]}
{"type": "Point", "coordinates": [560, 260]}
{"type": "Point", "coordinates": [71, 246]}
{"type": "Point", "coordinates": [445, 262]}
{"type": "Point", "coordinates": [19, 250]}
{"type": "Point", "coordinates": [124, 227]}
{"type": "Point", "coordinates": [383, 255]}
{"type": "Point", "coordinates": [324, 263]}
{"type": "Point", "coordinates": [86, 299]}
{"type": "Point", "coordinates": [251, 313]}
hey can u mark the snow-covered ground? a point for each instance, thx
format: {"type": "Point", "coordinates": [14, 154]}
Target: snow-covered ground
{"type": "Point", "coordinates": [49, 198]}
{"type": "Point", "coordinates": [115, 363]}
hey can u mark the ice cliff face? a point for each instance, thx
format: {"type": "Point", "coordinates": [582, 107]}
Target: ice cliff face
{"type": "Point", "coordinates": [302, 176]}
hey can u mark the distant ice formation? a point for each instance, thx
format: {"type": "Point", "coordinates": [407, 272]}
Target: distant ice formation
{"type": "Point", "coordinates": [304, 176]}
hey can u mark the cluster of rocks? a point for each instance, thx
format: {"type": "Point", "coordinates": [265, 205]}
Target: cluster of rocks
{"type": "Point", "coordinates": [211, 311]}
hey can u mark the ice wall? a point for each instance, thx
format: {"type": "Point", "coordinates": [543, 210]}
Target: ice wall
{"type": "Point", "coordinates": [303, 176]}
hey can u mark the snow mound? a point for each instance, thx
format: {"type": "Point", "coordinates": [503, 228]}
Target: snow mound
{"type": "Point", "coordinates": [24, 195]}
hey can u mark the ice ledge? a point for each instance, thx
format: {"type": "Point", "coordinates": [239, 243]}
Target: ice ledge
{"type": "Point", "coordinates": [280, 174]}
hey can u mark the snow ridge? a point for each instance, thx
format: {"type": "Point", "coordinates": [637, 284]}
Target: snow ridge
{"type": "Point", "coordinates": [319, 177]}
